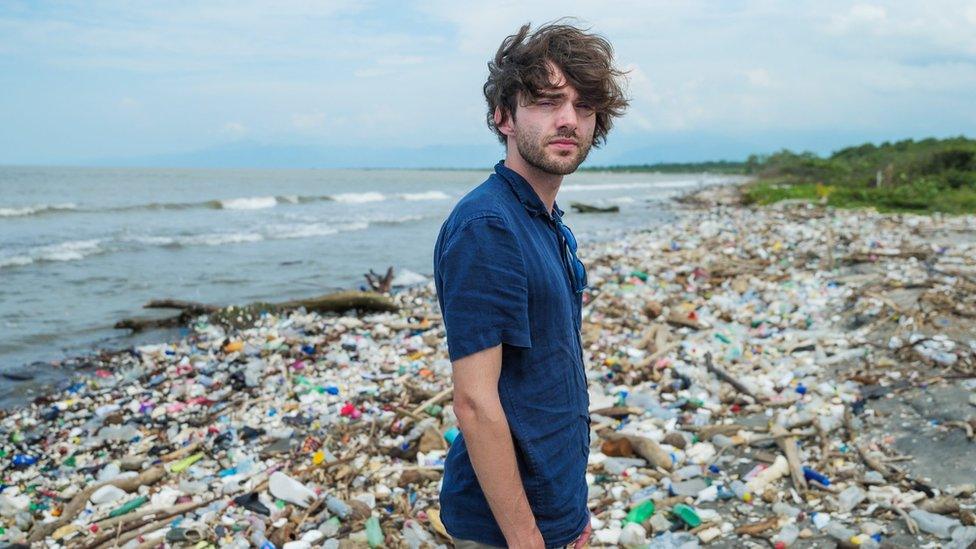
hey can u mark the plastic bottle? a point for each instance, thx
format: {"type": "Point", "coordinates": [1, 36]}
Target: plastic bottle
{"type": "Point", "coordinates": [129, 507]}
{"type": "Point", "coordinates": [688, 471]}
{"type": "Point", "coordinates": [107, 494]}
{"type": "Point", "coordinates": [374, 534]}
{"type": "Point", "coordinates": [337, 506]}
{"type": "Point", "coordinates": [689, 487]}
{"type": "Point", "coordinates": [741, 491]}
{"type": "Point", "coordinates": [642, 494]}
{"type": "Point", "coordinates": [722, 441]}
{"type": "Point", "coordinates": [785, 510]}
{"type": "Point", "coordinates": [810, 474]}
{"type": "Point", "coordinates": [838, 531]}
{"type": "Point", "coordinates": [640, 512]}
{"type": "Point", "coordinates": [850, 498]}
{"type": "Point", "coordinates": [787, 535]}
{"type": "Point", "coordinates": [451, 434]}
{"type": "Point", "coordinates": [185, 463]}
{"type": "Point", "coordinates": [687, 515]}
{"type": "Point", "coordinates": [286, 488]}
{"type": "Point", "coordinates": [934, 524]}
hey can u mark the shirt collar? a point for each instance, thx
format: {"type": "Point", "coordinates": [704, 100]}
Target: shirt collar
{"type": "Point", "coordinates": [525, 193]}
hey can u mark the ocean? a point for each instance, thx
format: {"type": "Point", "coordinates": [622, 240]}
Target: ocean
{"type": "Point", "coordinates": [81, 248]}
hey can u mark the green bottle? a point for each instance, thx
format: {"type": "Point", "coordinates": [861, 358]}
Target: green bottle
{"type": "Point", "coordinates": [129, 507]}
{"type": "Point", "coordinates": [374, 534]}
{"type": "Point", "coordinates": [640, 512]}
{"type": "Point", "coordinates": [185, 462]}
{"type": "Point", "coordinates": [687, 515]}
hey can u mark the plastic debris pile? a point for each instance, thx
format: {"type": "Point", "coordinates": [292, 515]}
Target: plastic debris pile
{"type": "Point", "coordinates": [725, 358]}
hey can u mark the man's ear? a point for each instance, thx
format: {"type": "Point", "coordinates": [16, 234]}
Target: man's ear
{"type": "Point", "coordinates": [503, 121]}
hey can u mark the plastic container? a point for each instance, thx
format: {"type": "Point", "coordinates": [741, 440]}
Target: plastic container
{"type": "Point", "coordinates": [640, 512]}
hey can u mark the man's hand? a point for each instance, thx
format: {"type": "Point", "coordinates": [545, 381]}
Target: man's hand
{"type": "Point", "coordinates": [584, 537]}
{"type": "Point", "coordinates": [489, 441]}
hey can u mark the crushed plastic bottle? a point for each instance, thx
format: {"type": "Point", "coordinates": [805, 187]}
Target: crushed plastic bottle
{"type": "Point", "coordinates": [288, 489]}
{"type": "Point", "coordinates": [933, 523]}
{"type": "Point", "coordinates": [850, 498]}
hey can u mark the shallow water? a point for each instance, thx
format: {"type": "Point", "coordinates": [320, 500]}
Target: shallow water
{"type": "Point", "coordinates": [81, 248]}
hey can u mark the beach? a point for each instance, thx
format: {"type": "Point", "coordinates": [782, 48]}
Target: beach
{"type": "Point", "coordinates": [791, 373]}
{"type": "Point", "coordinates": [82, 248]}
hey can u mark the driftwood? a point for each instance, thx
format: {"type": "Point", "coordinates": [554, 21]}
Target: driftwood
{"type": "Point", "coordinates": [866, 257]}
{"type": "Point", "coordinates": [77, 503]}
{"type": "Point", "coordinates": [587, 208]}
{"type": "Point", "coordinates": [334, 302]}
{"type": "Point", "coordinates": [787, 443]}
{"type": "Point", "coordinates": [756, 528]}
{"type": "Point", "coordinates": [380, 284]}
{"type": "Point", "coordinates": [121, 532]}
{"type": "Point", "coordinates": [645, 448]}
{"type": "Point", "coordinates": [722, 375]}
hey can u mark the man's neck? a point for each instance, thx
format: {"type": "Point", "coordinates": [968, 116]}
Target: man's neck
{"type": "Point", "coordinates": [545, 185]}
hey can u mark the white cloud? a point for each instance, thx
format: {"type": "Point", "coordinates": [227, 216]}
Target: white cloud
{"type": "Point", "coordinates": [857, 16]}
{"type": "Point", "coordinates": [194, 71]}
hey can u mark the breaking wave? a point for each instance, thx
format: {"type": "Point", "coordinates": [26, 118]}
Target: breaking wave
{"type": "Point", "coordinates": [70, 250]}
{"type": "Point", "coordinates": [429, 195]}
{"type": "Point", "coordinates": [359, 198]}
{"type": "Point", "coordinates": [38, 209]}
{"type": "Point", "coordinates": [241, 203]}
{"type": "Point", "coordinates": [75, 250]}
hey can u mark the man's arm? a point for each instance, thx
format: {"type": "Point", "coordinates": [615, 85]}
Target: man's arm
{"type": "Point", "coordinates": [489, 441]}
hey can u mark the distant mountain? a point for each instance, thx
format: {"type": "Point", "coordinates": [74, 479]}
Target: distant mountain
{"type": "Point", "coordinates": [622, 149]}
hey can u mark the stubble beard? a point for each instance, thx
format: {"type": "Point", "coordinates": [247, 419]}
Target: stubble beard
{"type": "Point", "coordinates": [533, 146]}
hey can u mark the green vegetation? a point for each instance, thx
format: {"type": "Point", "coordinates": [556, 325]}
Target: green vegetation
{"type": "Point", "coordinates": [931, 175]}
{"type": "Point", "coordinates": [715, 166]}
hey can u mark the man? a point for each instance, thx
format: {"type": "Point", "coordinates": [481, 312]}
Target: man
{"type": "Point", "coordinates": [510, 287]}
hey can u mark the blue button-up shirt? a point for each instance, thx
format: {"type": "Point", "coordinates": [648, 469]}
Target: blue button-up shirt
{"type": "Point", "coordinates": [502, 275]}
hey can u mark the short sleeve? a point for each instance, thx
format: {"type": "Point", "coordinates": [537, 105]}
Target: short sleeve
{"type": "Point", "coordinates": [483, 288]}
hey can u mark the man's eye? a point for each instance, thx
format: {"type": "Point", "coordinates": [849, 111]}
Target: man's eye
{"type": "Point", "coordinates": [545, 102]}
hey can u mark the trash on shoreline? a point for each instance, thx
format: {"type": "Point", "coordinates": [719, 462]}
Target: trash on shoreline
{"type": "Point", "coordinates": [732, 358]}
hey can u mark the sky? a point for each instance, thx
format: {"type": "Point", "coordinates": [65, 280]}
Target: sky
{"type": "Point", "coordinates": [366, 83]}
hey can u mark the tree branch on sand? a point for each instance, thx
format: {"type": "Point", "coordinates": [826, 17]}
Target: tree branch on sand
{"type": "Point", "coordinates": [244, 315]}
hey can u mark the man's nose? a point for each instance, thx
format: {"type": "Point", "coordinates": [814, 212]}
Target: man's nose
{"type": "Point", "coordinates": [566, 117]}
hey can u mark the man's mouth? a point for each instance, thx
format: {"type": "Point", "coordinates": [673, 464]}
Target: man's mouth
{"type": "Point", "coordinates": [564, 143]}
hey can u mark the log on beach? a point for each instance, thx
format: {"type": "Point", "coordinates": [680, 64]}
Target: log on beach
{"type": "Point", "coordinates": [234, 315]}
{"type": "Point", "coordinates": [588, 208]}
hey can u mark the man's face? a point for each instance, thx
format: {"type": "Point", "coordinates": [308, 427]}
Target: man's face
{"type": "Point", "coordinates": [554, 133]}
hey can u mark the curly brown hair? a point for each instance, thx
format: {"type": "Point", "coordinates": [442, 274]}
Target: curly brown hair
{"type": "Point", "coordinates": [521, 65]}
